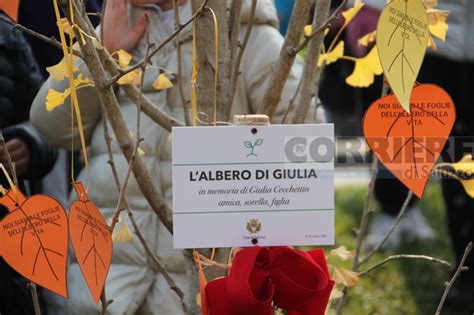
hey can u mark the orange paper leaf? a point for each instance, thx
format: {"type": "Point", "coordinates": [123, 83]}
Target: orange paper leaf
{"type": "Point", "coordinates": [34, 239]}
{"type": "Point", "coordinates": [91, 240]}
{"type": "Point", "coordinates": [409, 144]}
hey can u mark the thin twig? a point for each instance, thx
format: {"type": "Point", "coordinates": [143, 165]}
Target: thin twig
{"type": "Point", "coordinates": [34, 295]}
{"type": "Point", "coordinates": [138, 139]}
{"type": "Point", "coordinates": [400, 216]}
{"type": "Point", "coordinates": [311, 71]}
{"type": "Point", "coordinates": [450, 284]}
{"type": "Point", "coordinates": [334, 16]}
{"type": "Point", "coordinates": [282, 66]}
{"type": "Point", "coordinates": [291, 103]}
{"type": "Point", "coordinates": [236, 71]}
{"type": "Point", "coordinates": [156, 262]}
{"type": "Point", "coordinates": [367, 210]}
{"type": "Point", "coordinates": [165, 42]}
{"type": "Point", "coordinates": [403, 256]}
{"type": "Point", "coordinates": [185, 103]}
{"type": "Point", "coordinates": [50, 40]}
{"type": "Point", "coordinates": [11, 166]}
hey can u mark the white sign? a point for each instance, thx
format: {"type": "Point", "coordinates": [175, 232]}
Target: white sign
{"type": "Point", "coordinates": [238, 186]}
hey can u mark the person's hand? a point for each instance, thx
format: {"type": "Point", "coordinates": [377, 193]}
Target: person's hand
{"type": "Point", "coordinates": [116, 31]}
{"type": "Point", "coordinates": [363, 23]}
{"type": "Point", "coordinates": [19, 154]}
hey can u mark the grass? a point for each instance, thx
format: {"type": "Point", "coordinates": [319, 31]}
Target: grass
{"type": "Point", "coordinates": [401, 286]}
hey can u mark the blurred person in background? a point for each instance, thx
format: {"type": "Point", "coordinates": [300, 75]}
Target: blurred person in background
{"type": "Point", "coordinates": [20, 79]}
{"type": "Point", "coordinates": [450, 66]}
{"type": "Point", "coordinates": [132, 283]}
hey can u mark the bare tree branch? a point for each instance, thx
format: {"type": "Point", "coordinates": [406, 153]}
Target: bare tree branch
{"type": "Point", "coordinates": [109, 101]}
{"type": "Point", "coordinates": [166, 41]}
{"type": "Point", "coordinates": [310, 72]}
{"type": "Point", "coordinates": [179, 56]}
{"type": "Point", "coordinates": [450, 284]}
{"type": "Point", "coordinates": [212, 98]}
{"type": "Point", "coordinates": [50, 40]}
{"type": "Point", "coordinates": [282, 66]}
{"type": "Point", "coordinates": [334, 16]}
{"type": "Point", "coordinates": [400, 216]}
{"type": "Point", "coordinates": [403, 256]}
{"type": "Point", "coordinates": [236, 65]}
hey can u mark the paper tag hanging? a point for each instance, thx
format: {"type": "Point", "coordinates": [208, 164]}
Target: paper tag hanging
{"type": "Point", "coordinates": [91, 240]}
{"type": "Point", "coordinates": [402, 38]}
{"type": "Point", "coordinates": [409, 144]}
{"type": "Point", "coordinates": [34, 239]}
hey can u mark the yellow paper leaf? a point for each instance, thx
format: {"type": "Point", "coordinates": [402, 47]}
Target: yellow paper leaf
{"type": "Point", "coordinates": [346, 277]}
{"type": "Point", "coordinates": [133, 77]}
{"type": "Point", "coordinates": [59, 71]}
{"type": "Point", "coordinates": [465, 167]}
{"type": "Point", "coordinates": [352, 12]}
{"type": "Point", "coordinates": [162, 82]}
{"type": "Point", "coordinates": [308, 29]}
{"type": "Point", "coordinates": [123, 57]}
{"type": "Point", "coordinates": [342, 253]}
{"type": "Point", "coordinates": [367, 39]}
{"type": "Point", "coordinates": [333, 55]}
{"type": "Point", "coordinates": [365, 69]}
{"type": "Point", "coordinates": [402, 38]}
{"type": "Point", "coordinates": [122, 233]}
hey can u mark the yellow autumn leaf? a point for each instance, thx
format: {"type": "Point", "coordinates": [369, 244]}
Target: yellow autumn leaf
{"type": "Point", "coordinates": [162, 82]}
{"type": "Point", "coordinates": [55, 98]}
{"type": "Point", "coordinates": [438, 26]}
{"type": "Point", "coordinates": [346, 277]}
{"type": "Point", "coordinates": [466, 167]}
{"type": "Point", "coordinates": [308, 29]}
{"type": "Point", "coordinates": [402, 45]}
{"type": "Point", "coordinates": [122, 233]}
{"type": "Point", "coordinates": [124, 58]}
{"type": "Point", "coordinates": [333, 55]}
{"type": "Point", "coordinates": [352, 12]}
{"type": "Point", "coordinates": [133, 77]}
{"type": "Point", "coordinates": [59, 71]}
{"type": "Point", "coordinates": [367, 39]}
{"type": "Point", "coordinates": [365, 69]}
{"type": "Point", "coordinates": [342, 253]}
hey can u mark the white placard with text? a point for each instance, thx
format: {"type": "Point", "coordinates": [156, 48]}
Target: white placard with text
{"type": "Point", "coordinates": [239, 186]}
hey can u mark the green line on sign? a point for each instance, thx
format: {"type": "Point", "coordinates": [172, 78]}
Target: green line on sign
{"type": "Point", "coordinates": [244, 163]}
{"type": "Point", "coordinates": [253, 211]}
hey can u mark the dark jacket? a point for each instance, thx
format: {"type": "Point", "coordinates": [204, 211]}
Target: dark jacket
{"type": "Point", "coordinates": [20, 79]}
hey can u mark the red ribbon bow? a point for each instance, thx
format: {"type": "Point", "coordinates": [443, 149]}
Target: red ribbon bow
{"type": "Point", "coordinates": [293, 280]}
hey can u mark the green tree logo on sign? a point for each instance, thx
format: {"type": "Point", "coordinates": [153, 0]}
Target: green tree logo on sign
{"type": "Point", "coordinates": [251, 146]}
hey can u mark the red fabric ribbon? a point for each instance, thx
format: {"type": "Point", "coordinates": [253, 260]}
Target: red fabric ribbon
{"type": "Point", "coordinates": [261, 277]}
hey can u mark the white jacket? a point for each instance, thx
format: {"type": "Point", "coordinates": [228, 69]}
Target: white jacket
{"type": "Point", "coordinates": [131, 283]}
